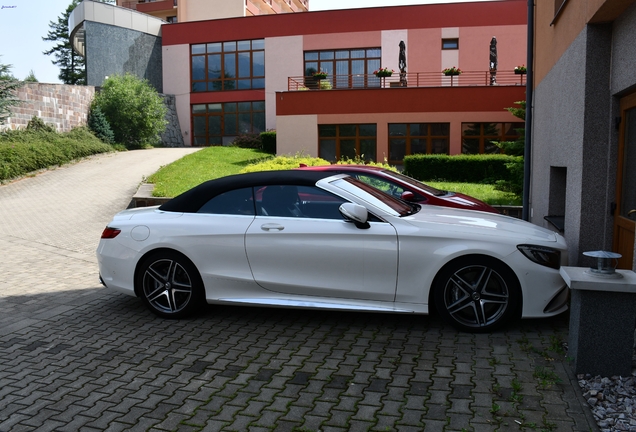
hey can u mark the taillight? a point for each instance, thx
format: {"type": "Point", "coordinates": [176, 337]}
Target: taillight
{"type": "Point", "coordinates": [110, 233]}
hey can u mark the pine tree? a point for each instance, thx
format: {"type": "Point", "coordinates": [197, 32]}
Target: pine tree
{"type": "Point", "coordinates": [8, 85]}
{"type": "Point", "coordinates": [72, 65]}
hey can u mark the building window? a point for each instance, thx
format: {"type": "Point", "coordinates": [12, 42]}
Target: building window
{"type": "Point", "coordinates": [479, 138]}
{"type": "Point", "coordinates": [450, 44]}
{"type": "Point", "coordinates": [417, 138]}
{"type": "Point", "coordinates": [346, 68]}
{"type": "Point", "coordinates": [220, 66]}
{"type": "Point", "coordinates": [348, 141]}
{"type": "Point", "coordinates": [220, 123]}
{"type": "Point", "coordinates": [171, 19]}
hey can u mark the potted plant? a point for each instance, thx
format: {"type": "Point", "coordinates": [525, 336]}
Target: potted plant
{"type": "Point", "coordinates": [521, 70]}
{"type": "Point", "coordinates": [320, 75]}
{"type": "Point", "coordinates": [452, 71]}
{"type": "Point", "coordinates": [383, 72]}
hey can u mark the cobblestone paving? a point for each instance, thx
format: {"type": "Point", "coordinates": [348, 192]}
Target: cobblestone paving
{"type": "Point", "coordinates": [77, 357]}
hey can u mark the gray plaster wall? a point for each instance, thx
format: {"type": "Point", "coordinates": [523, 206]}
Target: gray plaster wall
{"type": "Point", "coordinates": [572, 132]}
{"type": "Point", "coordinates": [624, 52]}
{"type": "Point", "coordinates": [114, 50]}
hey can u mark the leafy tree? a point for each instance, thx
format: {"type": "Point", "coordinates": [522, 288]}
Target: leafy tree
{"type": "Point", "coordinates": [134, 109]}
{"type": "Point", "coordinates": [8, 86]}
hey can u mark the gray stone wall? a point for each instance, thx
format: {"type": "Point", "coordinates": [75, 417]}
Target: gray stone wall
{"type": "Point", "coordinates": [573, 134]}
{"type": "Point", "coordinates": [60, 105]}
{"type": "Point", "coordinates": [172, 136]}
{"type": "Point", "coordinates": [112, 50]}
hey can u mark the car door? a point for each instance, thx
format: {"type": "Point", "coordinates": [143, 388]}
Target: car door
{"type": "Point", "coordinates": [311, 250]}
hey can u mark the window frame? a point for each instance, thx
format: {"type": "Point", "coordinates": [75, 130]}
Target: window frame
{"type": "Point", "coordinates": [219, 139]}
{"type": "Point", "coordinates": [338, 138]}
{"type": "Point", "coordinates": [429, 137]}
{"type": "Point", "coordinates": [450, 40]}
{"type": "Point", "coordinates": [226, 83]}
{"type": "Point", "coordinates": [330, 59]}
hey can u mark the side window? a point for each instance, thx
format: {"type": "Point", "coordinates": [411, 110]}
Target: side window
{"type": "Point", "coordinates": [386, 186]}
{"type": "Point", "coordinates": [236, 202]}
{"type": "Point", "coordinates": [297, 201]}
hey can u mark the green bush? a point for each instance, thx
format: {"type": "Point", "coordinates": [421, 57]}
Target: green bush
{"type": "Point", "coordinates": [99, 125]}
{"type": "Point", "coordinates": [248, 140]}
{"type": "Point", "coordinates": [514, 183]}
{"type": "Point", "coordinates": [36, 124]}
{"type": "Point", "coordinates": [25, 151]}
{"type": "Point", "coordinates": [284, 163]}
{"type": "Point", "coordinates": [486, 169]}
{"type": "Point", "coordinates": [134, 109]}
{"type": "Point", "coordinates": [268, 139]}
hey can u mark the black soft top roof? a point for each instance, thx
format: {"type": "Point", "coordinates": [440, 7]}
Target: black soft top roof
{"type": "Point", "coordinates": [192, 200]}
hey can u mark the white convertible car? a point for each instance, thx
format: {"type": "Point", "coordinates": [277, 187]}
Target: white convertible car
{"type": "Point", "coordinates": [309, 239]}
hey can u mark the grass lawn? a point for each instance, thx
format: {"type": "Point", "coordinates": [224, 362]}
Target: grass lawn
{"type": "Point", "coordinates": [206, 164]}
{"type": "Point", "coordinates": [214, 162]}
{"type": "Point", "coordinates": [483, 192]}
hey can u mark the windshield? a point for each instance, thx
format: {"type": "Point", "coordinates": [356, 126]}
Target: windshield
{"type": "Point", "coordinates": [415, 183]}
{"type": "Point", "coordinates": [375, 197]}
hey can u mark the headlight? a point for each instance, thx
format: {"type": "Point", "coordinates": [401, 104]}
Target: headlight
{"type": "Point", "coordinates": [544, 256]}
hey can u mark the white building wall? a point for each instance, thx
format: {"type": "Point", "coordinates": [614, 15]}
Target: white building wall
{"type": "Point", "coordinates": [297, 134]}
{"type": "Point", "coordinates": [391, 48]}
{"type": "Point", "coordinates": [283, 58]}
{"type": "Point", "coordinates": [176, 81]}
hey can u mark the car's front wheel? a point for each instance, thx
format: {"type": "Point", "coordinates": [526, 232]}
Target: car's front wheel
{"type": "Point", "coordinates": [476, 293]}
{"type": "Point", "coordinates": [170, 285]}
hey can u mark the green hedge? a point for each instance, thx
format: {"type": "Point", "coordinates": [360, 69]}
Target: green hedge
{"type": "Point", "coordinates": [460, 168]}
{"type": "Point", "coordinates": [269, 142]}
{"type": "Point", "coordinates": [22, 152]}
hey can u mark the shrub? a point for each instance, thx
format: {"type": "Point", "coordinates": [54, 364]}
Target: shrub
{"type": "Point", "coordinates": [359, 160]}
{"type": "Point", "coordinates": [135, 111]}
{"type": "Point", "coordinates": [268, 139]}
{"type": "Point", "coordinates": [248, 140]}
{"type": "Point", "coordinates": [460, 168]}
{"type": "Point", "coordinates": [284, 163]}
{"type": "Point", "coordinates": [25, 151]}
{"type": "Point", "coordinates": [99, 125]}
{"type": "Point", "coordinates": [36, 124]}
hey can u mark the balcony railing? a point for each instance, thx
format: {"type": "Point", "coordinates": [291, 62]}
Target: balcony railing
{"type": "Point", "coordinates": [410, 80]}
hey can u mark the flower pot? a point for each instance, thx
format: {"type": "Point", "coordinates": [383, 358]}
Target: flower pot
{"type": "Point", "coordinates": [451, 73]}
{"type": "Point", "coordinates": [520, 72]}
{"type": "Point", "coordinates": [383, 74]}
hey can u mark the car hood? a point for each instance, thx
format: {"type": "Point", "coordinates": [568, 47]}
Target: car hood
{"type": "Point", "coordinates": [467, 202]}
{"type": "Point", "coordinates": [474, 223]}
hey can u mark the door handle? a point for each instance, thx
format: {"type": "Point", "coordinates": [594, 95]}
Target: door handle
{"type": "Point", "coordinates": [272, 226]}
{"type": "Point", "coordinates": [630, 212]}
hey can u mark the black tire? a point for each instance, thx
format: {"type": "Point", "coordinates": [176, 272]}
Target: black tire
{"type": "Point", "coordinates": [170, 285]}
{"type": "Point", "coordinates": [476, 293]}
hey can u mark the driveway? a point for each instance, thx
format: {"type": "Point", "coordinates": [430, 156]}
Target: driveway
{"type": "Point", "coordinates": [75, 356]}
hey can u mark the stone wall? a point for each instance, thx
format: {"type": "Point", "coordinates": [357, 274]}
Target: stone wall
{"type": "Point", "coordinates": [67, 106]}
{"type": "Point", "coordinates": [63, 106]}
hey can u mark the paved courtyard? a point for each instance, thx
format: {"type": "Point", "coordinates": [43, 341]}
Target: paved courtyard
{"type": "Point", "coordinates": [75, 356]}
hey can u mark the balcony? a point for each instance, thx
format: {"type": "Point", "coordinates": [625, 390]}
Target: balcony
{"type": "Point", "coordinates": [411, 80]}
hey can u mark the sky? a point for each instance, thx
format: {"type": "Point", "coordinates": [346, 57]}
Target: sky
{"type": "Point", "coordinates": [23, 24]}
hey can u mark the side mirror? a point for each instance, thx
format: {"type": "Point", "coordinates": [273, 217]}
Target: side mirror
{"type": "Point", "coordinates": [408, 196]}
{"type": "Point", "coordinates": [356, 214]}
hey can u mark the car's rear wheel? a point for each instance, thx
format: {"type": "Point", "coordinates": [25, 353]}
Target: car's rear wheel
{"type": "Point", "coordinates": [170, 285]}
{"type": "Point", "coordinates": [476, 293]}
